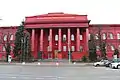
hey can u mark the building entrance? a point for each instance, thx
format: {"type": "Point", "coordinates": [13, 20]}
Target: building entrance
{"type": "Point", "coordinates": [56, 54]}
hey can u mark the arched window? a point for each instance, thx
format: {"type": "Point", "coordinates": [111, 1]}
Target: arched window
{"type": "Point", "coordinates": [56, 37]}
{"type": "Point", "coordinates": [111, 36]}
{"type": "Point", "coordinates": [5, 37]}
{"type": "Point", "coordinates": [72, 37]}
{"type": "Point", "coordinates": [118, 35]}
{"type": "Point", "coordinates": [11, 37]}
{"type": "Point", "coordinates": [11, 47]}
{"type": "Point", "coordinates": [96, 36]}
{"type": "Point", "coordinates": [119, 47]}
{"type": "Point", "coordinates": [81, 37]}
{"type": "Point", "coordinates": [104, 36]}
{"type": "Point", "coordinates": [112, 48]}
{"type": "Point", "coordinates": [97, 48]}
{"type": "Point", "coordinates": [64, 37]}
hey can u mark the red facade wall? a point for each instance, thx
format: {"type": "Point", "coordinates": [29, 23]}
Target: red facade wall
{"type": "Point", "coordinates": [56, 21]}
{"type": "Point", "coordinates": [109, 28]}
{"type": "Point", "coordinates": [6, 31]}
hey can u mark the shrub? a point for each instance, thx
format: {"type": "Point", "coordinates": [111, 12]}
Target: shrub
{"type": "Point", "coordinates": [84, 59]}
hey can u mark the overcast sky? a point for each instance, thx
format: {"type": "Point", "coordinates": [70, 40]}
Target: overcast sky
{"type": "Point", "coordinates": [12, 12]}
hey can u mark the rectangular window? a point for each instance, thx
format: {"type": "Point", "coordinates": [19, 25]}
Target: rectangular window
{"type": "Point", "coordinates": [88, 36]}
{"type": "Point", "coordinates": [48, 38]}
{"type": "Point", "coordinates": [72, 37]}
{"type": "Point", "coordinates": [118, 36]}
{"type": "Point", "coordinates": [11, 47]}
{"type": "Point", "coordinates": [81, 37]}
{"type": "Point", "coordinates": [3, 49]}
{"type": "Point", "coordinates": [73, 48]}
{"type": "Point", "coordinates": [48, 48]}
{"type": "Point", "coordinates": [64, 48]}
{"type": "Point", "coordinates": [81, 48]}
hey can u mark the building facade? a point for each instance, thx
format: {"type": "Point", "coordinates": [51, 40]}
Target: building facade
{"type": "Point", "coordinates": [56, 34]}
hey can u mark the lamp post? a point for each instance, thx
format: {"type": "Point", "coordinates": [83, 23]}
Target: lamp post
{"type": "Point", "coordinates": [69, 53]}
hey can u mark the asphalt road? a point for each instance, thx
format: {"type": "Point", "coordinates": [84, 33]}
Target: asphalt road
{"type": "Point", "coordinates": [13, 72]}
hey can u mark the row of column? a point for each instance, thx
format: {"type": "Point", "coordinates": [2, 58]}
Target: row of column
{"type": "Point", "coordinates": [59, 40]}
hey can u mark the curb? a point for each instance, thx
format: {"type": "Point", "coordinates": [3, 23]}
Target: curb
{"type": "Point", "coordinates": [48, 65]}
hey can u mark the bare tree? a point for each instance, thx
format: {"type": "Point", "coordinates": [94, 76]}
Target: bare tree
{"type": "Point", "coordinates": [99, 41]}
{"type": "Point", "coordinates": [6, 42]}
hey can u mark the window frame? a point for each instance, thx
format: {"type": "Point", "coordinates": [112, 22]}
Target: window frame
{"type": "Point", "coordinates": [64, 48]}
{"type": "Point", "coordinates": [72, 37]}
{"type": "Point", "coordinates": [104, 36]}
{"type": "Point", "coordinates": [56, 37]}
{"type": "Point", "coordinates": [111, 36]}
{"type": "Point", "coordinates": [64, 37]}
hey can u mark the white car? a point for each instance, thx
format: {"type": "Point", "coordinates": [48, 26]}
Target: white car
{"type": "Point", "coordinates": [101, 63]}
{"type": "Point", "coordinates": [115, 65]}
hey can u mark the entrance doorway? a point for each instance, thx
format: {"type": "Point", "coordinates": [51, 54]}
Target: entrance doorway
{"type": "Point", "coordinates": [49, 55]}
{"type": "Point", "coordinates": [56, 54]}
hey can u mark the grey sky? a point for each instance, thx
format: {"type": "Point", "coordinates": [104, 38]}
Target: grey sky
{"type": "Point", "coordinates": [99, 11]}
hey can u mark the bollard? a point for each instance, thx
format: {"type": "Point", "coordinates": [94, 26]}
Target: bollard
{"type": "Point", "coordinates": [23, 63]}
{"type": "Point", "coordinates": [39, 63]}
{"type": "Point", "coordinates": [57, 63]}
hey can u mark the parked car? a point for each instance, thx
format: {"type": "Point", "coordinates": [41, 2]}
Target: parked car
{"type": "Point", "coordinates": [115, 64]}
{"type": "Point", "coordinates": [108, 63]}
{"type": "Point", "coordinates": [100, 63]}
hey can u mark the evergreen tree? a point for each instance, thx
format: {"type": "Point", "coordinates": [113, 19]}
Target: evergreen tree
{"type": "Point", "coordinates": [116, 52]}
{"type": "Point", "coordinates": [22, 49]}
{"type": "Point", "coordinates": [18, 40]}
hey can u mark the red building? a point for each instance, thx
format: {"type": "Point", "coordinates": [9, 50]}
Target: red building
{"type": "Point", "coordinates": [54, 34]}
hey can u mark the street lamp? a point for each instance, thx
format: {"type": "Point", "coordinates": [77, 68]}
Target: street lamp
{"type": "Point", "coordinates": [69, 53]}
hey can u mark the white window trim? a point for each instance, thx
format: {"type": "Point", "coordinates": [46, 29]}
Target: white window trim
{"type": "Point", "coordinates": [118, 35]}
{"type": "Point", "coordinates": [56, 37]}
{"type": "Point", "coordinates": [64, 48]}
{"type": "Point", "coordinates": [72, 37]}
{"type": "Point", "coordinates": [3, 48]}
{"type": "Point", "coordinates": [89, 36]}
{"type": "Point", "coordinates": [118, 47]}
{"type": "Point", "coordinates": [81, 48]}
{"type": "Point", "coordinates": [81, 37]}
{"type": "Point", "coordinates": [112, 48]}
{"type": "Point", "coordinates": [5, 37]}
{"type": "Point", "coordinates": [111, 35]}
{"type": "Point", "coordinates": [97, 48]}
{"type": "Point", "coordinates": [104, 36]}
{"type": "Point", "coordinates": [11, 37]}
{"type": "Point", "coordinates": [73, 48]}
{"type": "Point", "coordinates": [96, 36]}
{"type": "Point", "coordinates": [48, 38]}
{"type": "Point", "coordinates": [48, 48]}
{"type": "Point", "coordinates": [64, 37]}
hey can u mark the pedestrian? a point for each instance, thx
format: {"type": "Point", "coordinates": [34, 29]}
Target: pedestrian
{"type": "Point", "coordinates": [9, 58]}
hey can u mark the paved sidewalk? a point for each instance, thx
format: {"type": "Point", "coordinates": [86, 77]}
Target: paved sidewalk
{"type": "Point", "coordinates": [49, 64]}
